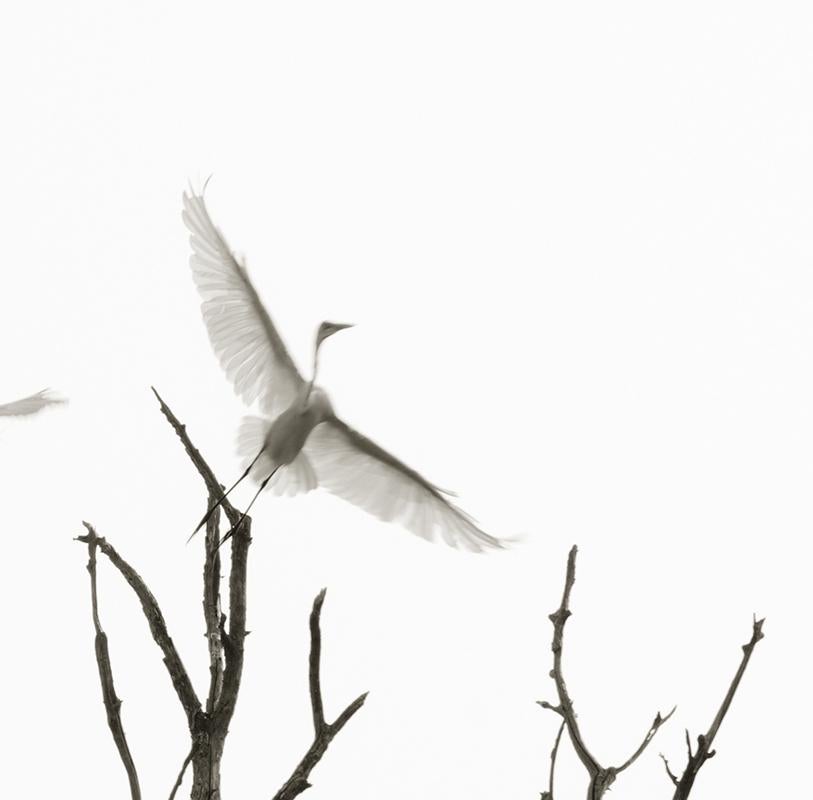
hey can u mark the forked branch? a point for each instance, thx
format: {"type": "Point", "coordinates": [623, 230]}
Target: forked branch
{"type": "Point", "coordinates": [158, 628]}
{"type": "Point", "coordinates": [226, 647]}
{"type": "Point", "coordinates": [323, 732]}
{"type": "Point", "coordinates": [601, 778]}
{"type": "Point", "coordinates": [684, 784]}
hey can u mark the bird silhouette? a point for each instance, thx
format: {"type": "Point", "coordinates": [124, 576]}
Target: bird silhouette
{"type": "Point", "coordinates": [32, 404]}
{"type": "Point", "coordinates": [298, 443]}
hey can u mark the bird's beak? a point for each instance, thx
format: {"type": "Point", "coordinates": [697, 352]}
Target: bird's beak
{"type": "Point", "coordinates": [328, 329]}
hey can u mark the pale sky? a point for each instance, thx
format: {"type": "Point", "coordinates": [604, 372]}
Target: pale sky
{"type": "Point", "coordinates": [576, 241]}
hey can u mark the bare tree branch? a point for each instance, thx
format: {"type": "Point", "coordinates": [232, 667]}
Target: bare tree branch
{"type": "Point", "coordinates": [112, 703]}
{"type": "Point", "coordinates": [704, 741]}
{"type": "Point", "coordinates": [315, 664]}
{"type": "Point", "coordinates": [158, 628]}
{"type": "Point", "coordinates": [212, 612]}
{"type": "Point", "coordinates": [234, 642]}
{"type": "Point", "coordinates": [672, 776]}
{"type": "Point", "coordinates": [324, 732]}
{"type": "Point", "coordinates": [653, 729]}
{"type": "Point", "coordinates": [601, 778]}
{"type": "Point", "coordinates": [551, 707]}
{"type": "Point", "coordinates": [225, 649]}
{"type": "Point", "coordinates": [212, 484]}
{"type": "Point", "coordinates": [548, 795]}
{"type": "Point", "coordinates": [226, 640]}
{"type": "Point", "coordinates": [179, 779]}
{"type": "Point", "coordinates": [747, 650]}
{"type": "Point", "coordinates": [559, 618]}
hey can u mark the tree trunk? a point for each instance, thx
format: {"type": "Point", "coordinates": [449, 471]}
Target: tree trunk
{"type": "Point", "coordinates": [206, 768]}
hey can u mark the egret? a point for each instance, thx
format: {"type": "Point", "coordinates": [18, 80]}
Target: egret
{"type": "Point", "coordinates": [31, 404]}
{"type": "Point", "coordinates": [299, 444]}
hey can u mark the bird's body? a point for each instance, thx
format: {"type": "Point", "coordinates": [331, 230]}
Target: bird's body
{"type": "Point", "coordinates": [298, 443]}
{"type": "Point", "coordinates": [288, 433]}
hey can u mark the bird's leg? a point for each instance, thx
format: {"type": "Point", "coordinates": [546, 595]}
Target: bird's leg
{"type": "Point", "coordinates": [240, 521]}
{"type": "Point", "coordinates": [225, 495]}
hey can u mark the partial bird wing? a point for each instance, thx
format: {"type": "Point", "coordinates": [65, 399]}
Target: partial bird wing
{"type": "Point", "coordinates": [31, 404]}
{"type": "Point", "coordinates": [248, 346]}
{"type": "Point", "coordinates": [356, 469]}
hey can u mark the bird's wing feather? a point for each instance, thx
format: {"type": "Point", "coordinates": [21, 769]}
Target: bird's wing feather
{"type": "Point", "coordinates": [31, 404]}
{"type": "Point", "coordinates": [242, 334]}
{"type": "Point", "coordinates": [356, 469]}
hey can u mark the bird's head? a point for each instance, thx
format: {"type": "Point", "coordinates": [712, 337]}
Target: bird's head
{"type": "Point", "coordinates": [328, 329]}
{"type": "Point", "coordinates": [325, 329]}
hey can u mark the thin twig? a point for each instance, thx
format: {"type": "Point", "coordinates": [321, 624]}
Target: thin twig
{"type": "Point", "coordinates": [684, 785]}
{"type": "Point", "coordinates": [548, 795]}
{"type": "Point", "coordinates": [653, 729]}
{"type": "Point", "coordinates": [672, 776]}
{"type": "Point", "coordinates": [601, 778]}
{"type": "Point", "coordinates": [158, 628]}
{"type": "Point", "coordinates": [212, 484]}
{"type": "Point", "coordinates": [747, 650]}
{"type": "Point", "coordinates": [324, 732]}
{"type": "Point", "coordinates": [314, 664]}
{"type": "Point", "coordinates": [112, 703]}
{"type": "Point", "coordinates": [179, 779]}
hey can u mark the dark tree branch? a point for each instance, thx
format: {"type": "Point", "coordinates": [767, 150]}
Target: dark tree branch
{"type": "Point", "coordinates": [212, 484]}
{"type": "Point", "coordinates": [112, 703]}
{"type": "Point", "coordinates": [551, 707]}
{"type": "Point", "coordinates": [548, 795]}
{"type": "Point", "coordinates": [235, 639]}
{"type": "Point", "coordinates": [747, 650]}
{"type": "Point", "coordinates": [672, 776]}
{"type": "Point", "coordinates": [315, 664]}
{"type": "Point", "coordinates": [684, 785]}
{"type": "Point", "coordinates": [179, 779]}
{"type": "Point", "coordinates": [158, 628]}
{"type": "Point", "coordinates": [324, 732]}
{"type": "Point", "coordinates": [212, 612]}
{"type": "Point", "coordinates": [601, 778]}
{"type": "Point", "coordinates": [559, 618]}
{"type": "Point", "coordinates": [209, 727]}
{"type": "Point", "coordinates": [653, 729]}
{"type": "Point", "coordinates": [225, 649]}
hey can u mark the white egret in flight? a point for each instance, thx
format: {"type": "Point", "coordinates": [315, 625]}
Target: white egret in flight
{"type": "Point", "coordinates": [298, 443]}
{"type": "Point", "coordinates": [31, 404]}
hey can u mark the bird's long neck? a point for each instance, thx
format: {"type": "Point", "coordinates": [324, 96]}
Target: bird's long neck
{"type": "Point", "coordinates": [315, 369]}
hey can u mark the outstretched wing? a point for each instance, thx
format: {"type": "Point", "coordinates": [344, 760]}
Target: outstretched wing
{"type": "Point", "coordinates": [356, 469]}
{"type": "Point", "coordinates": [248, 346]}
{"type": "Point", "coordinates": [31, 404]}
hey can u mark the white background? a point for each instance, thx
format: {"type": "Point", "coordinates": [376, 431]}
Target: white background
{"type": "Point", "coordinates": [576, 240]}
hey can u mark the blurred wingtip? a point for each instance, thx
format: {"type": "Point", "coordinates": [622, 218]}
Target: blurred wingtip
{"type": "Point", "coordinates": [53, 397]}
{"type": "Point", "coordinates": [502, 543]}
{"type": "Point", "coordinates": [193, 192]}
